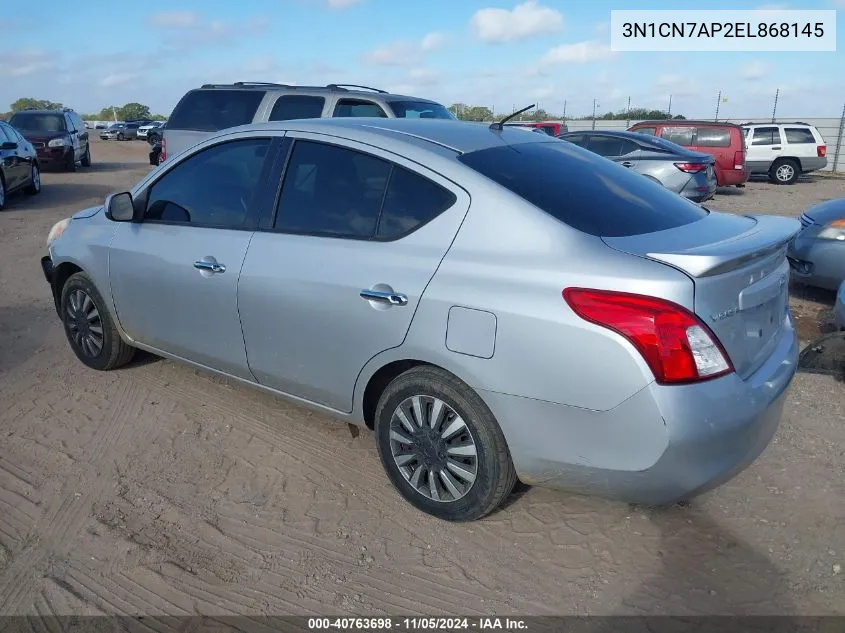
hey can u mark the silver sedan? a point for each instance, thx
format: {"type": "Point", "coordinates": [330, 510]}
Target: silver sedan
{"type": "Point", "coordinates": [493, 304]}
{"type": "Point", "coordinates": [817, 253]}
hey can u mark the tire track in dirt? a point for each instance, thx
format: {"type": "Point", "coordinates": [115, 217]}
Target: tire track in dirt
{"type": "Point", "coordinates": [301, 443]}
{"type": "Point", "coordinates": [65, 514]}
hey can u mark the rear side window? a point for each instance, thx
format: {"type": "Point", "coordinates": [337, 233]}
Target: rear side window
{"type": "Point", "coordinates": [340, 192]}
{"type": "Point", "coordinates": [297, 107]}
{"type": "Point", "coordinates": [765, 136]}
{"type": "Point", "coordinates": [679, 135]}
{"type": "Point", "coordinates": [582, 190]}
{"type": "Point", "coordinates": [358, 107]}
{"type": "Point", "coordinates": [213, 110]}
{"type": "Point", "coordinates": [419, 110]}
{"type": "Point", "coordinates": [610, 146]}
{"type": "Point", "coordinates": [577, 139]}
{"type": "Point", "coordinates": [799, 135]}
{"type": "Point", "coordinates": [713, 137]}
{"type": "Point", "coordinates": [651, 131]}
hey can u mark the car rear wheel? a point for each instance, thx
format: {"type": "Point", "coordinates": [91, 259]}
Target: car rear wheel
{"type": "Point", "coordinates": [34, 181]}
{"type": "Point", "coordinates": [86, 157]}
{"type": "Point", "coordinates": [441, 446]}
{"type": "Point", "coordinates": [120, 137]}
{"type": "Point", "coordinates": [90, 330]}
{"type": "Point", "coordinates": [784, 172]}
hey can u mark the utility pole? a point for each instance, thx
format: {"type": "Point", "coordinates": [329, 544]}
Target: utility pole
{"type": "Point", "coordinates": [628, 113]}
{"type": "Point", "coordinates": [718, 103]}
{"type": "Point", "coordinates": [595, 103]}
{"type": "Point", "coordinates": [775, 108]}
{"type": "Point", "coordinates": [669, 112]}
{"type": "Point", "coordinates": [564, 109]}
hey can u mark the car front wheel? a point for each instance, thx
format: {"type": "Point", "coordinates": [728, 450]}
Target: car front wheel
{"type": "Point", "coordinates": [441, 446]}
{"type": "Point", "coordinates": [90, 330]}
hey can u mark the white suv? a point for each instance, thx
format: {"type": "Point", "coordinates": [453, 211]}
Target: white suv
{"type": "Point", "coordinates": [783, 151]}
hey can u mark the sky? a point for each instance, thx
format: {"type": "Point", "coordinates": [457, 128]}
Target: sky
{"type": "Point", "coordinates": [494, 53]}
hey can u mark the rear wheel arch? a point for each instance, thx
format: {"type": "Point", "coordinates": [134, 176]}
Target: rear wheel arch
{"type": "Point", "coordinates": [379, 381]}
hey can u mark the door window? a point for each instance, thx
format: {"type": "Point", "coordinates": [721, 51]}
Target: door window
{"type": "Point", "coordinates": [799, 136]}
{"type": "Point", "coordinates": [610, 146]}
{"type": "Point", "coordinates": [339, 192]}
{"type": "Point", "coordinates": [211, 188]}
{"type": "Point", "coordinates": [678, 134]}
{"type": "Point", "coordinates": [578, 139]}
{"type": "Point", "coordinates": [297, 107]}
{"type": "Point", "coordinates": [713, 137]}
{"type": "Point", "coordinates": [4, 136]}
{"type": "Point", "coordinates": [358, 107]}
{"type": "Point", "coordinates": [651, 131]}
{"type": "Point", "coordinates": [765, 136]}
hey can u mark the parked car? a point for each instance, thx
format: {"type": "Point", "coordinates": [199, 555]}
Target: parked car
{"type": "Point", "coordinates": [724, 141]}
{"type": "Point", "coordinates": [120, 132]}
{"type": "Point", "coordinates": [214, 107]}
{"type": "Point", "coordinates": [552, 128]}
{"type": "Point", "coordinates": [149, 127]}
{"type": "Point", "coordinates": [784, 151]}
{"type": "Point", "coordinates": [58, 136]}
{"type": "Point", "coordinates": [688, 173]}
{"type": "Point", "coordinates": [155, 154]}
{"type": "Point", "coordinates": [817, 254]}
{"type": "Point", "coordinates": [546, 314]}
{"type": "Point", "coordinates": [839, 308]}
{"type": "Point", "coordinates": [19, 169]}
{"type": "Point", "coordinates": [155, 135]}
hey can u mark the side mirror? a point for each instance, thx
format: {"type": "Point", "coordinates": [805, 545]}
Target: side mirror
{"type": "Point", "coordinates": [120, 207]}
{"type": "Point", "coordinates": [8, 145]}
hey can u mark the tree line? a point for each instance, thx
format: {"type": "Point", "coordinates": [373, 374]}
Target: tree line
{"type": "Point", "coordinates": [483, 113]}
{"type": "Point", "coordinates": [126, 112]}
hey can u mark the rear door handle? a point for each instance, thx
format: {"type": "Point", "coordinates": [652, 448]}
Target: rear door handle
{"type": "Point", "coordinates": [213, 267]}
{"type": "Point", "coordinates": [776, 148]}
{"type": "Point", "coordinates": [390, 298]}
{"type": "Point", "coordinates": [627, 163]}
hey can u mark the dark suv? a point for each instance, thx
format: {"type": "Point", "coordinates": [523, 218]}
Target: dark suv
{"type": "Point", "coordinates": [58, 136]}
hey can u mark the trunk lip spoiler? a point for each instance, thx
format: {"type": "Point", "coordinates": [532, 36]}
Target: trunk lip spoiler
{"type": "Point", "coordinates": [771, 233]}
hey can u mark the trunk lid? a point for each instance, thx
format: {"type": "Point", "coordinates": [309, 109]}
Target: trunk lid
{"type": "Point", "coordinates": [739, 268]}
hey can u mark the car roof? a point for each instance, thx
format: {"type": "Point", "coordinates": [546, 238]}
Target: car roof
{"type": "Point", "coordinates": [684, 123]}
{"type": "Point", "coordinates": [370, 93]}
{"type": "Point", "coordinates": [634, 136]}
{"type": "Point", "coordinates": [461, 137]}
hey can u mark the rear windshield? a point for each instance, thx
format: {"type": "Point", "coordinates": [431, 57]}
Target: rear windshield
{"type": "Point", "coordinates": [213, 110]}
{"type": "Point", "coordinates": [419, 110]}
{"type": "Point", "coordinates": [38, 122]}
{"type": "Point", "coordinates": [584, 190]}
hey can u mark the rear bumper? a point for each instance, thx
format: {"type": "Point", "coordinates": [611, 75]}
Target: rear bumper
{"type": "Point", "coordinates": [731, 177]}
{"type": "Point", "coordinates": [663, 445]}
{"type": "Point", "coordinates": [813, 163]}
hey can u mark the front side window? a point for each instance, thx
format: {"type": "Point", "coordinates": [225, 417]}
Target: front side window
{"type": "Point", "coordinates": [340, 192]}
{"type": "Point", "coordinates": [211, 188]}
{"type": "Point", "coordinates": [4, 135]}
{"type": "Point", "coordinates": [289, 107]}
{"type": "Point", "coordinates": [651, 131]}
{"type": "Point", "coordinates": [765, 136]}
{"type": "Point", "coordinates": [358, 107]}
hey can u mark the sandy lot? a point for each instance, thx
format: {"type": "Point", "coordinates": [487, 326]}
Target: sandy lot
{"type": "Point", "coordinates": [159, 490]}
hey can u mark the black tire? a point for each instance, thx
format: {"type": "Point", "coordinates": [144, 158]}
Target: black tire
{"type": "Point", "coordinates": [34, 186]}
{"type": "Point", "coordinates": [70, 165]}
{"type": "Point", "coordinates": [86, 157]}
{"type": "Point", "coordinates": [495, 475]}
{"type": "Point", "coordinates": [784, 171]}
{"type": "Point", "coordinates": [120, 137]}
{"type": "Point", "coordinates": [113, 352]}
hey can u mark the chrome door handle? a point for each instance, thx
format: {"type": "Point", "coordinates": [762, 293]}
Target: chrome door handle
{"type": "Point", "coordinates": [391, 298]}
{"type": "Point", "coordinates": [627, 163]}
{"type": "Point", "coordinates": [776, 148]}
{"type": "Point", "coordinates": [210, 266]}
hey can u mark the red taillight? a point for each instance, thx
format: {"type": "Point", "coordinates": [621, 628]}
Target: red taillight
{"type": "Point", "coordinates": [691, 168]}
{"type": "Point", "coordinates": [163, 156]}
{"type": "Point", "coordinates": [739, 160]}
{"type": "Point", "coordinates": [677, 346]}
{"type": "Point", "coordinates": [821, 150]}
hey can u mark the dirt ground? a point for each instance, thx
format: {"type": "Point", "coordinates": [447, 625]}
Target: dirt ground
{"type": "Point", "coordinates": [160, 490]}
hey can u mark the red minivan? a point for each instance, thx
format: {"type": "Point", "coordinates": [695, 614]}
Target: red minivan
{"type": "Point", "coordinates": [552, 128]}
{"type": "Point", "coordinates": [725, 141]}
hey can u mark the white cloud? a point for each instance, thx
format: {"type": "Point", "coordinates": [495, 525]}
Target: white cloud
{"type": "Point", "coordinates": [578, 53]}
{"type": "Point", "coordinates": [342, 4]}
{"type": "Point", "coordinates": [174, 19]}
{"type": "Point", "coordinates": [500, 26]}
{"type": "Point", "coordinates": [116, 79]}
{"type": "Point", "coordinates": [432, 41]}
{"type": "Point", "coordinates": [405, 52]}
{"type": "Point", "coordinates": [424, 76]}
{"type": "Point", "coordinates": [755, 70]}
{"type": "Point", "coordinates": [26, 63]}
{"type": "Point", "coordinates": [667, 81]}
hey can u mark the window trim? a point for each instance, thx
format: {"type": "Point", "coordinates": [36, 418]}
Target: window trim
{"type": "Point", "coordinates": [267, 223]}
{"type": "Point", "coordinates": [141, 198]}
